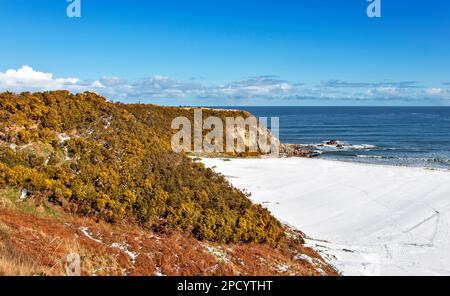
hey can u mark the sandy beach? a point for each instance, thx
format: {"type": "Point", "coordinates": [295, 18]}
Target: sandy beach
{"type": "Point", "coordinates": [365, 219]}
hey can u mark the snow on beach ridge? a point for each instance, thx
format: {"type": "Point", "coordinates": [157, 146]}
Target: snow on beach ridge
{"type": "Point", "coordinates": [365, 219]}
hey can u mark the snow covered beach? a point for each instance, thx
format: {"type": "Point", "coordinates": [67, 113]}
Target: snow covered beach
{"type": "Point", "coordinates": [365, 219]}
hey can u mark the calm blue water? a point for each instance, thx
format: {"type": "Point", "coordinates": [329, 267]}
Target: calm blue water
{"type": "Point", "coordinates": [413, 136]}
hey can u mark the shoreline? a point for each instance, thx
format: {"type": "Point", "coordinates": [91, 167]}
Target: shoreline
{"type": "Point", "coordinates": [338, 148]}
{"type": "Point", "coordinates": [388, 165]}
{"type": "Point", "coordinates": [365, 219]}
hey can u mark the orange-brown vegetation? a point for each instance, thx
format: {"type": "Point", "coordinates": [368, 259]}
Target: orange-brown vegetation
{"type": "Point", "coordinates": [34, 245]}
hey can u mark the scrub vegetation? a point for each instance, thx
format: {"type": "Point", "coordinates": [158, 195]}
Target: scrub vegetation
{"type": "Point", "coordinates": [113, 162]}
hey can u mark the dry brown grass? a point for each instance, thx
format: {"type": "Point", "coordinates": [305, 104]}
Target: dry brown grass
{"type": "Point", "coordinates": [33, 245]}
{"type": "Point", "coordinates": [13, 262]}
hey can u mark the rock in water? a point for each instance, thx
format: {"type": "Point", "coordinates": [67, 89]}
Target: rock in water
{"type": "Point", "coordinates": [333, 142]}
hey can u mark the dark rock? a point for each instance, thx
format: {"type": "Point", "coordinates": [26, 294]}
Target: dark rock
{"type": "Point", "coordinates": [333, 142]}
{"type": "Point", "coordinates": [296, 150]}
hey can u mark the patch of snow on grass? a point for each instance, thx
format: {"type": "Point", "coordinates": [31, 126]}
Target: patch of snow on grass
{"type": "Point", "coordinates": [303, 257]}
{"type": "Point", "coordinates": [89, 234]}
{"type": "Point", "coordinates": [282, 268]}
{"type": "Point", "coordinates": [313, 261]}
{"type": "Point", "coordinates": [217, 252]}
{"type": "Point", "coordinates": [158, 272]}
{"type": "Point", "coordinates": [23, 194]}
{"type": "Point", "coordinates": [108, 122]}
{"type": "Point", "coordinates": [125, 248]}
{"type": "Point", "coordinates": [63, 138]}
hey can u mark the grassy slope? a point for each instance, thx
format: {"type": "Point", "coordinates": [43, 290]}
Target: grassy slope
{"type": "Point", "coordinates": [113, 163]}
{"type": "Point", "coordinates": [36, 242]}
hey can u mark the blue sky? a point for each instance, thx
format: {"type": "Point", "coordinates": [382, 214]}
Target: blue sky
{"type": "Point", "coordinates": [229, 52]}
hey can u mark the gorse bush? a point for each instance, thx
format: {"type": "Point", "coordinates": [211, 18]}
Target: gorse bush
{"type": "Point", "coordinates": [114, 161]}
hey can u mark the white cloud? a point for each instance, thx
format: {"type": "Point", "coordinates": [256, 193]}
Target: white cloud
{"type": "Point", "coordinates": [26, 78]}
{"type": "Point", "coordinates": [435, 91]}
{"type": "Point", "coordinates": [251, 89]}
{"type": "Point", "coordinates": [27, 73]}
{"type": "Point", "coordinates": [255, 87]}
{"type": "Point", "coordinates": [388, 90]}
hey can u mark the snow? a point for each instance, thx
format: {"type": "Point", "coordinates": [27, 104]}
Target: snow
{"type": "Point", "coordinates": [282, 268]}
{"type": "Point", "coordinates": [158, 272]}
{"type": "Point", "coordinates": [23, 194]}
{"type": "Point", "coordinates": [303, 257]}
{"type": "Point", "coordinates": [108, 122]}
{"type": "Point", "coordinates": [89, 234]}
{"type": "Point", "coordinates": [125, 248]}
{"type": "Point", "coordinates": [63, 138]}
{"type": "Point", "coordinates": [47, 160]}
{"type": "Point", "coordinates": [364, 219]}
{"type": "Point", "coordinates": [218, 252]}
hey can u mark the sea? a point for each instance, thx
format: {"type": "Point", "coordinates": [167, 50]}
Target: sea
{"type": "Point", "coordinates": [405, 136]}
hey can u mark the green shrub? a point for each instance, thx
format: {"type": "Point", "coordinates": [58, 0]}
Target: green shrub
{"type": "Point", "coordinates": [116, 163]}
